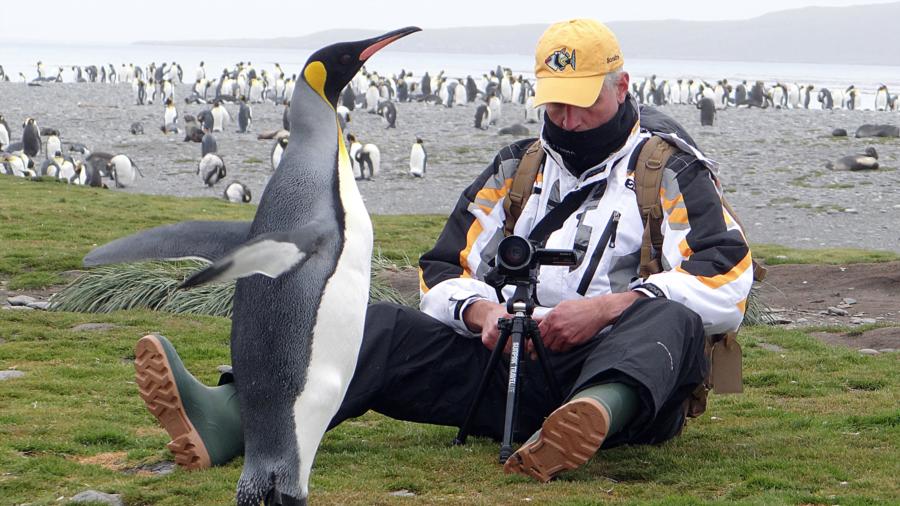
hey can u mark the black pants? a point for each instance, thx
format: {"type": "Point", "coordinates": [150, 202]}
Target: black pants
{"type": "Point", "coordinates": [412, 367]}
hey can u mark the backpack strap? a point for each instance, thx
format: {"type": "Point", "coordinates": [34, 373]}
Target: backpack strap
{"type": "Point", "coordinates": [648, 173]}
{"type": "Point", "coordinates": [522, 185]}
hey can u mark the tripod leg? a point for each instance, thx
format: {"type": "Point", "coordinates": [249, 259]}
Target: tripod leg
{"type": "Point", "coordinates": [482, 386]}
{"type": "Point", "coordinates": [535, 335]}
{"type": "Point", "coordinates": [512, 393]}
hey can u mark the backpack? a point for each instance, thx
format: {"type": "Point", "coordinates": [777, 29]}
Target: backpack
{"type": "Point", "coordinates": [722, 350]}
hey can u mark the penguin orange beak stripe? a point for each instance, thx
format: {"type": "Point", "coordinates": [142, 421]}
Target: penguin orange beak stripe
{"type": "Point", "coordinates": [389, 37]}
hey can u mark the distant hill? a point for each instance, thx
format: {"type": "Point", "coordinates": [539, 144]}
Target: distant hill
{"type": "Point", "coordinates": [863, 34]}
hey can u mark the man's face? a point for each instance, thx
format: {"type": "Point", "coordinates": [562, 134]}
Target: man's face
{"type": "Point", "coordinates": [578, 119]}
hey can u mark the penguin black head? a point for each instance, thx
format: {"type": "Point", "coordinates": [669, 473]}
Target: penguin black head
{"type": "Point", "coordinates": [329, 69]}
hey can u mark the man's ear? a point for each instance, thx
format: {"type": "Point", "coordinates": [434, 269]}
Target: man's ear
{"type": "Point", "coordinates": [622, 87]}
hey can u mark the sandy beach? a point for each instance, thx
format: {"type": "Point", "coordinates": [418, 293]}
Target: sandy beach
{"type": "Point", "coordinates": [772, 161]}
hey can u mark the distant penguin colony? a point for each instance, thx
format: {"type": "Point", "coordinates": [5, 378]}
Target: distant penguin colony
{"type": "Point", "coordinates": [496, 102]}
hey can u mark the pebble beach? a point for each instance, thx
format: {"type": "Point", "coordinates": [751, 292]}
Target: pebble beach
{"type": "Point", "coordinates": [772, 161]}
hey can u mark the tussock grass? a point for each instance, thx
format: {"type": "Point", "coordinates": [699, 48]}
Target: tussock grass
{"type": "Point", "coordinates": [154, 285]}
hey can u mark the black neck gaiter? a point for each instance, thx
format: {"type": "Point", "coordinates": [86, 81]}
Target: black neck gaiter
{"type": "Point", "coordinates": [581, 151]}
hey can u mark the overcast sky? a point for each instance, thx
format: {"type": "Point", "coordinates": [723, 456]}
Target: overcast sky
{"type": "Point", "coordinates": [127, 21]}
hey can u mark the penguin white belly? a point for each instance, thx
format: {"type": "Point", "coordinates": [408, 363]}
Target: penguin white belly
{"type": "Point", "coordinates": [880, 102]}
{"type": "Point", "coordinates": [4, 137]}
{"type": "Point", "coordinates": [337, 335]}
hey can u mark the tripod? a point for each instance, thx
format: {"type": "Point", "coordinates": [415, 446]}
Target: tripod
{"type": "Point", "coordinates": [521, 327]}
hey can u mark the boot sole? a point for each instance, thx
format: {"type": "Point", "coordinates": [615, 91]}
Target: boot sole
{"type": "Point", "coordinates": [569, 437]}
{"type": "Point", "coordinates": [156, 385]}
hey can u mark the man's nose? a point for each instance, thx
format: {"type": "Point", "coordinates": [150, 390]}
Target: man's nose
{"type": "Point", "coordinates": [571, 119]}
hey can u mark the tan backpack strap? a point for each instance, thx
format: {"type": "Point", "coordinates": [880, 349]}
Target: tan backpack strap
{"type": "Point", "coordinates": [648, 173]}
{"type": "Point", "coordinates": [522, 185]}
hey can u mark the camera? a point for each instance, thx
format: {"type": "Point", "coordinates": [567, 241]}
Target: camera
{"type": "Point", "coordinates": [518, 257]}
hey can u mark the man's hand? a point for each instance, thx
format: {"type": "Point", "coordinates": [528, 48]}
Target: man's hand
{"type": "Point", "coordinates": [481, 316]}
{"type": "Point", "coordinates": [573, 322]}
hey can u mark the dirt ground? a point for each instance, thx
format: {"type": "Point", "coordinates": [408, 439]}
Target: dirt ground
{"type": "Point", "coordinates": [798, 296]}
{"type": "Point", "coordinates": [858, 294]}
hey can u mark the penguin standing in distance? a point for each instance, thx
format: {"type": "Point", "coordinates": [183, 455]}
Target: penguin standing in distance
{"type": "Point", "coordinates": [388, 111]}
{"type": "Point", "coordinates": [368, 156]}
{"type": "Point", "coordinates": [237, 193]}
{"type": "Point", "coordinates": [418, 159]}
{"type": "Point", "coordinates": [372, 97]}
{"type": "Point", "coordinates": [824, 97]}
{"type": "Point", "coordinates": [343, 115]}
{"type": "Point", "coordinates": [806, 95]}
{"type": "Point", "coordinates": [211, 169]}
{"type": "Point", "coordinates": [31, 138]}
{"type": "Point", "coordinates": [123, 171]}
{"type": "Point", "coordinates": [286, 116]}
{"type": "Point", "coordinates": [482, 117]}
{"type": "Point", "coordinates": [495, 105]}
{"type": "Point", "coordinates": [348, 98]}
{"type": "Point", "coordinates": [302, 270]}
{"type": "Point", "coordinates": [281, 144]}
{"type": "Point", "coordinates": [220, 116]}
{"type": "Point", "coordinates": [208, 145]}
{"type": "Point", "coordinates": [170, 117]}
{"type": "Point", "coordinates": [352, 149]}
{"type": "Point", "coordinates": [707, 108]}
{"type": "Point", "coordinates": [53, 146]}
{"type": "Point", "coordinates": [245, 116]}
{"type": "Point", "coordinates": [471, 90]}
{"type": "Point", "coordinates": [4, 133]}
{"type": "Point", "coordinates": [532, 113]}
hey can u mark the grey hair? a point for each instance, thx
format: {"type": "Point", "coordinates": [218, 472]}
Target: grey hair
{"type": "Point", "coordinates": [612, 79]}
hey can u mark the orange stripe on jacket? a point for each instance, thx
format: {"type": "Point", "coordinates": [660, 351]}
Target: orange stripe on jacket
{"type": "Point", "coordinates": [722, 279]}
{"type": "Point", "coordinates": [493, 195]}
{"type": "Point", "coordinates": [473, 233]}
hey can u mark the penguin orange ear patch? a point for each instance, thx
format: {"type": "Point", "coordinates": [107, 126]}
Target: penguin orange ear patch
{"type": "Point", "coordinates": [316, 75]}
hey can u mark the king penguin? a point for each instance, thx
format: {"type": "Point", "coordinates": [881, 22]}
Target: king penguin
{"type": "Point", "coordinates": [31, 137]}
{"type": "Point", "coordinates": [417, 159]}
{"type": "Point", "coordinates": [4, 133]}
{"type": "Point", "coordinates": [311, 240]}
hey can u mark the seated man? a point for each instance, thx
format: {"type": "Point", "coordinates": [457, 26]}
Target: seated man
{"type": "Point", "coordinates": [626, 350]}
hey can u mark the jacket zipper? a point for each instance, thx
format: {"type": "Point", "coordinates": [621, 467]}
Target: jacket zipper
{"type": "Point", "coordinates": [607, 240]}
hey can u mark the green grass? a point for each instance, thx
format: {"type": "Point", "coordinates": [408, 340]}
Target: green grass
{"type": "Point", "coordinates": [47, 228]}
{"type": "Point", "coordinates": [816, 424]}
{"type": "Point", "coordinates": [811, 418]}
{"type": "Point", "coordinates": [772, 254]}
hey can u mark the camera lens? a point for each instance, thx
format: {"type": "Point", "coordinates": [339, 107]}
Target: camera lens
{"type": "Point", "coordinates": [514, 253]}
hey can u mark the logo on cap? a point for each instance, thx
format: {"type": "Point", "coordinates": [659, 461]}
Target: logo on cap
{"type": "Point", "coordinates": [560, 59]}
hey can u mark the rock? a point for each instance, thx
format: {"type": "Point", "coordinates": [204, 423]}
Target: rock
{"type": "Point", "coordinates": [159, 469]}
{"type": "Point", "coordinates": [877, 131]}
{"type": "Point", "coordinates": [848, 301]}
{"type": "Point", "coordinates": [20, 300]}
{"type": "Point", "coordinates": [223, 369]}
{"type": "Point", "coordinates": [868, 351]}
{"type": "Point", "coordinates": [20, 308]}
{"type": "Point", "coordinates": [93, 326]}
{"type": "Point", "coordinates": [836, 311]}
{"type": "Point", "coordinates": [11, 374]}
{"type": "Point", "coordinates": [41, 304]}
{"type": "Point", "coordinates": [862, 321]}
{"type": "Point", "coordinates": [98, 497]}
{"type": "Point", "coordinates": [402, 493]}
{"type": "Point", "coordinates": [839, 132]}
{"type": "Point", "coordinates": [771, 347]}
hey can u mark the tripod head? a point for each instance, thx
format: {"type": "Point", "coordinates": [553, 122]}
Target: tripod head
{"type": "Point", "coordinates": [517, 263]}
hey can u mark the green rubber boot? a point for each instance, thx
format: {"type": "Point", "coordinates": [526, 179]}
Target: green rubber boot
{"type": "Point", "coordinates": [574, 432]}
{"type": "Point", "coordinates": [204, 423]}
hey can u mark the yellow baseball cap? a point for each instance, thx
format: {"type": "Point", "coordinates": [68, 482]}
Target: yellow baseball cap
{"type": "Point", "coordinates": [572, 60]}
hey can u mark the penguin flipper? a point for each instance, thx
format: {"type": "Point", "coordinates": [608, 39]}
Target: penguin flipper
{"type": "Point", "coordinates": [208, 240]}
{"type": "Point", "coordinates": [271, 254]}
